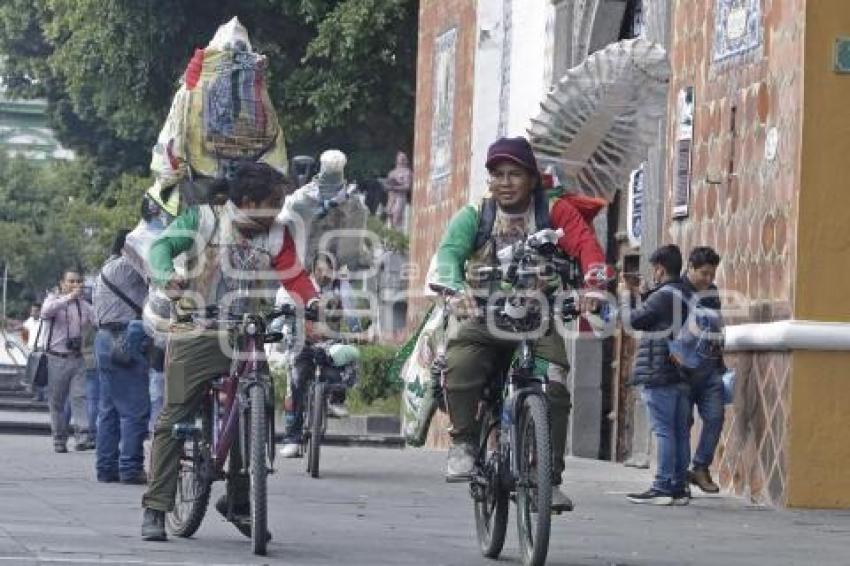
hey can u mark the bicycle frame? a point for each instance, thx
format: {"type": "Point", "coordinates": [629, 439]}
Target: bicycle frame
{"type": "Point", "coordinates": [514, 387]}
{"type": "Point", "coordinates": [229, 395]}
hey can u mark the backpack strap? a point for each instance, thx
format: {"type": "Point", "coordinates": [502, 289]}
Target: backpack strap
{"type": "Point", "coordinates": [541, 210]}
{"type": "Point", "coordinates": [486, 220]}
{"type": "Point", "coordinates": [117, 292]}
{"type": "Point", "coordinates": [487, 216]}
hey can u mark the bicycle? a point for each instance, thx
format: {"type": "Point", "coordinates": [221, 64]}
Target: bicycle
{"type": "Point", "coordinates": [514, 459]}
{"type": "Point", "coordinates": [240, 402]}
{"type": "Point", "coordinates": [335, 371]}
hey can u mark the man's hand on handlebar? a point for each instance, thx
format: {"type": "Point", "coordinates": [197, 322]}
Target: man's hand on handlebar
{"type": "Point", "coordinates": [175, 287]}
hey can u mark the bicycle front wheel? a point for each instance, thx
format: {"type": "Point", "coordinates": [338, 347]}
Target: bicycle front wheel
{"type": "Point", "coordinates": [534, 485]}
{"type": "Point", "coordinates": [317, 422]}
{"type": "Point", "coordinates": [491, 500]}
{"type": "Point", "coordinates": [193, 490]}
{"type": "Point", "coordinates": [258, 470]}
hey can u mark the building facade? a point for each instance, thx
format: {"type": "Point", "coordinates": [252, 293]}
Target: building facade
{"type": "Point", "coordinates": [746, 162]}
{"type": "Point", "coordinates": [24, 131]}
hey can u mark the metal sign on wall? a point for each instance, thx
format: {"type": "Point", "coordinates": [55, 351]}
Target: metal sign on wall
{"type": "Point", "coordinates": [444, 103]}
{"type": "Point", "coordinates": [684, 144]}
{"type": "Point", "coordinates": [737, 28]}
{"type": "Point", "coordinates": [634, 221]}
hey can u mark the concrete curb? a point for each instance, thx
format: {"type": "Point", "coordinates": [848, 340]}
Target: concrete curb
{"type": "Point", "coordinates": [20, 404]}
{"type": "Point", "coordinates": [374, 440]}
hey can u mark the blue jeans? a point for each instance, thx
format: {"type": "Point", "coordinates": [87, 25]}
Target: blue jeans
{"type": "Point", "coordinates": [707, 395]}
{"type": "Point", "coordinates": [92, 399]}
{"type": "Point", "coordinates": [669, 412]}
{"type": "Point", "coordinates": [124, 410]}
{"type": "Point", "coordinates": [301, 372]}
{"type": "Point", "coordinates": [157, 395]}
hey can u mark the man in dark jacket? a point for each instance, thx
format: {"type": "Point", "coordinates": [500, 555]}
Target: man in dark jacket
{"type": "Point", "coordinates": [666, 395]}
{"type": "Point", "coordinates": [707, 393]}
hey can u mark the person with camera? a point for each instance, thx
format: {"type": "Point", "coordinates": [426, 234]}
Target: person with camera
{"type": "Point", "coordinates": [66, 316]}
{"type": "Point", "coordinates": [120, 350]}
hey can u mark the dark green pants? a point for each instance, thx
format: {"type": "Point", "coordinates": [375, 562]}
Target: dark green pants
{"type": "Point", "coordinates": [192, 360]}
{"type": "Point", "coordinates": [474, 356]}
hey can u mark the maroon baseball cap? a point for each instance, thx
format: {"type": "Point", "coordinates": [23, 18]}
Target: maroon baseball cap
{"type": "Point", "coordinates": [516, 149]}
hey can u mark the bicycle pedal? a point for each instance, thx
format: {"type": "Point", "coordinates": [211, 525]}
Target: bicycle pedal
{"type": "Point", "coordinates": [185, 431]}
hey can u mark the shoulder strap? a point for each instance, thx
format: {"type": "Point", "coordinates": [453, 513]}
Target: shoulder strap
{"type": "Point", "coordinates": [49, 335]}
{"type": "Point", "coordinates": [487, 217]}
{"type": "Point", "coordinates": [38, 333]}
{"type": "Point", "coordinates": [136, 308]}
{"type": "Point", "coordinates": [486, 220]}
{"type": "Point", "coordinates": [541, 210]}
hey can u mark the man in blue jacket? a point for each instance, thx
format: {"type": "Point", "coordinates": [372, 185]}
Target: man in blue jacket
{"type": "Point", "coordinates": [666, 395]}
{"type": "Point", "coordinates": [706, 393]}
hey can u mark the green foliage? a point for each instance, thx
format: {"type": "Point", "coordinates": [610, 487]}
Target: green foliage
{"type": "Point", "coordinates": [390, 405]}
{"type": "Point", "coordinates": [374, 381]}
{"type": "Point", "coordinates": [392, 239]}
{"type": "Point", "coordinates": [48, 223]}
{"type": "Point", "coordinates": [341, 71]}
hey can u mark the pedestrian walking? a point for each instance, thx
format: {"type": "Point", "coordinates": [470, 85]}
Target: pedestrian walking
{"type": "Point", "coordinates": [706, 393]}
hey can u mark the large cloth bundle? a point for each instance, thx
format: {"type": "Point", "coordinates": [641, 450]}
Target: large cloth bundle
{"type": "Point", "coordinates": [221, 115]}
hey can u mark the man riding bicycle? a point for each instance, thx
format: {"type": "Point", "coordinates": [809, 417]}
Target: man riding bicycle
{"type": "Point", "coordinates": [230, 251]}
{"type": "Point", "coordinates": [515, 207]}
{"type": "Point", "coordinates": [303, 363]}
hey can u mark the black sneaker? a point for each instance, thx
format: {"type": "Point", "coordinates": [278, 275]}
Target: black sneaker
{"type": "Point", "coordinates": [651, 496]}
{"type": "Point", "coordinates": [83, 445]}
{"type": "Point", "coordinates": [153, 525]}
{"type": "Point", "coordinates": [682, 496]}
{"type": "Point", "coordinates": [240, 516]}
{"type": "Point", "coordinates": [139, 478]}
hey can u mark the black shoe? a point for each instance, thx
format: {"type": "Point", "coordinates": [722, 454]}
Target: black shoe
{"type": "Point", "coordinates": [82, 445]}
{"type": "Point", "coordinates": [60, 448]}
{"type": "Point", "coordinates": [108, 479]}
{"type": "Point", "coordinates": [153, 525]}
{"type": "Point", "coordinates": [651, 496]}
{"type": "Point", "coordinates": [139, 478]}
{"type": "Point", "coordinates": [240, 516]}
{"type": "Point", "coordinates": [682, 496]}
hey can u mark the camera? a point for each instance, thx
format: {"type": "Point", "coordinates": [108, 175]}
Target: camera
{"type": "Point", "coordinates": [74, 344]}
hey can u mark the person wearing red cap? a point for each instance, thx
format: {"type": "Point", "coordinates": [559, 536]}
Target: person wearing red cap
{"type": "Point", "coordinates": [515, 207]}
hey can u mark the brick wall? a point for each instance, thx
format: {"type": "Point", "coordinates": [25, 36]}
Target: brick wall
{"type": "Point", "coordinates": [749, 216]}
{"type": "Point", "coordinates": [434, 202]}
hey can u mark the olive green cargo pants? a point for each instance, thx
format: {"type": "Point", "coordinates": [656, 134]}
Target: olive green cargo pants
{"type": "Point", "coordinates": [475, 355]}
{"type": "Point", "coordinates": [192, 360]}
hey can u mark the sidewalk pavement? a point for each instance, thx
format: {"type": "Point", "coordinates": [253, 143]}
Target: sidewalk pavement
{"type": "Point", "coordinates": [377, 506]}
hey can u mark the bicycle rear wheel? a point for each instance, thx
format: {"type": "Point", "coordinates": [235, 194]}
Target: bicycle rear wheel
{"type": "Point", "coordinates": [317, 421]}
{"type": "Point", "coordinates": [193, 490]}
{"type": "Point", "coordinates": [491, 501]}
{"type": "Point", "coordinates": [258, 470]}
{"type": "Point", "coordinates": [534, 485]}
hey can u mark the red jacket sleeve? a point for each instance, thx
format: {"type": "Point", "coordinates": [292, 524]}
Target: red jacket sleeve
{"type": "Point", "coordinates": [579, 240]}
{"type": "Point", "coordinates": [292, 274]}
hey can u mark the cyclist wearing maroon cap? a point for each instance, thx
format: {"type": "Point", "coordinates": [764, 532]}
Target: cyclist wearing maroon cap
{"type": "Point", "coordinates": [515, 207]}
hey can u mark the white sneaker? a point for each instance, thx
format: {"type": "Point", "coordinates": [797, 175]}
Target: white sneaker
{"type": "Point", "coordinates": [336, 411]}
{"type": "Point", "coordinates": [291, 450]}
{"type": "Point", "coordinates": [460, 463]}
